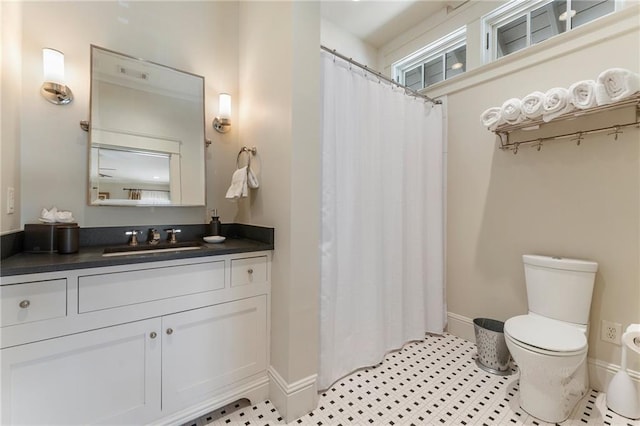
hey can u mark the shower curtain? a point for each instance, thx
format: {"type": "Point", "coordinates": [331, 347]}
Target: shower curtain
{"type": "Point", "coordinates": [382, 220]}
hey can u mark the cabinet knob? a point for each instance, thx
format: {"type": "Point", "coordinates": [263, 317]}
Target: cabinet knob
{"type": "Point", "coordinates": [169, 330]}
{"type": "Point", "coordinates": [250, 270]}
{"type": "Point", "coordinates": [153, 334]}
{"type": "Point", "coordinates": [25, 304]}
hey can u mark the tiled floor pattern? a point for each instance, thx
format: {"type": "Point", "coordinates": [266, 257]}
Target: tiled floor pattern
{"type": "Point", "coordinates": [430, 382]}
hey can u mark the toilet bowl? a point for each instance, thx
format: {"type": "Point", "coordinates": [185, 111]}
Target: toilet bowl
{"type": "Point", "coordinates": [551, 357]}
{"type": "Point", "coordinates": [549, 344]}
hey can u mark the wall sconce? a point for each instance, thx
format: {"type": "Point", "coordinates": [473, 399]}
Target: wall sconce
{"type": "Point", "coordinates": [222, 123]}
{"type": "Point", "coordinates": [53, 88]}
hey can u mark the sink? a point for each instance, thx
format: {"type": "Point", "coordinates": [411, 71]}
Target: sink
{"type": "Point", "coordinates": [148, 248]}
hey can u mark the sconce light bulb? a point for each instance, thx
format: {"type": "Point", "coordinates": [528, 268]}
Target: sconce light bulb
{"type": "Point", "coordinates": [222, 123]}
{"type": "Point", "coordinates": [224, 110]}
{"type": "Point", "coordinates": [53, 66]}
{"type": "Point", "coordinates": [53, 88]}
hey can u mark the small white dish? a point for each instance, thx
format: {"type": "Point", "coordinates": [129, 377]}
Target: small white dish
{"type": "Point", "coordinates": [214, 239]}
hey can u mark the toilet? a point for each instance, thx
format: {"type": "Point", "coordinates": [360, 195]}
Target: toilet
{"type": "Point", "coordinates": [549, 344]}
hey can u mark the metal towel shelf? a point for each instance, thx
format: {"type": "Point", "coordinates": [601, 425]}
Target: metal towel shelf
{"type": "Point", "coordinates": [504, 131]}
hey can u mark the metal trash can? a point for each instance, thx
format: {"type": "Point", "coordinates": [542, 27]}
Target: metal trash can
{"type": "Point", "coordinates": [493, 354]}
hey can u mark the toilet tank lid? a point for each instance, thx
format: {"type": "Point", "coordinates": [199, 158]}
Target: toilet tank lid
{"type": "Point", "coordinates": [560, 263]}
{"type": "Point", "coordinates": [547, 334]}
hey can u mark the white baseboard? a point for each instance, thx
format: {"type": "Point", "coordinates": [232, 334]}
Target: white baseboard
{"type": "Point", "coordinates": [600, 372]}
{"type": "Point", "coordinates": [460, 326]}
{"type": "Point", "coordinates": [293, 400]}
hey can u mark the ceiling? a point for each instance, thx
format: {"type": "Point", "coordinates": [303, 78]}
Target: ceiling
{"type": "Point", "coordinates": [379, 22]}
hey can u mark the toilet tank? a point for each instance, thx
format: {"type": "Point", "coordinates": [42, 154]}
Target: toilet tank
{"type": "Point", "coordinates": [559, 288]}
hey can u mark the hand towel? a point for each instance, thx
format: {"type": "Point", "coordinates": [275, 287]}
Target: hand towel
{"type": "Point", "coordinates": [492, 118]}
{"type": "Point", "coordinates": [252, 180]}
{"type": "Point", "coordinates": [556, 103]}
{"type": "Point", "coordinates": [582, 94]}
{"type": "Point", "coordinates": [238, 186]}
{"type": "Point", "coordinates": [54, 215]}
{"type": "Point", "coordinates": [533, 105]}
{"type": "Point", "coordinates": [511, 111]}
{"type": "Point", "coordinates": [616, 84]}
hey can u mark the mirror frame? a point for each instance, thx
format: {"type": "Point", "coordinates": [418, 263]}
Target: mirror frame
{"type": "Point", "coordinates": [87, 126]}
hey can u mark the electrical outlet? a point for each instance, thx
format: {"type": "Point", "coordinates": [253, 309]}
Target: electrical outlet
{"type": "Point", "coordinates": [611, 332]}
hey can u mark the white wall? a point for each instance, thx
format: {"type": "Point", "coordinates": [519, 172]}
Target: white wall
{"type": "Point", "coordinates": [200, 38]}
{"type": "Point", "coordinates": [344, 42]}
{"type": "Point", "coordinates": [10, 111]}
{"type": "Point", "coordinates": [565, 200]}
{"type": "Point", "coordinates": [280, 112]}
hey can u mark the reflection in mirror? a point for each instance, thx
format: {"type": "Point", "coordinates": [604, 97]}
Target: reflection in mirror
{"type": "Point", "coordinates": [146, 133]}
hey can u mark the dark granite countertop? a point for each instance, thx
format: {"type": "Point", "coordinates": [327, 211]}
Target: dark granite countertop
{"type": "Point", "coordinates": [240, 238]}
{"type": "Point", "coordinates": [91, 257]}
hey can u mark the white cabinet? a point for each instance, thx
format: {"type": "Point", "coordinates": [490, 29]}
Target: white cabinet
{"type": "Point", "coordinates": [207, 349]}
{"type": "Point", "coordinates": [108, 376]}
{"type": "Point", "coordinates": [159, 342]}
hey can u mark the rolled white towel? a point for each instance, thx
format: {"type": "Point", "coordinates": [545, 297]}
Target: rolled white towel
{"type": "Point", "coordinates": [533, 105]}
{"type": "Point", "coordinates": [582, 94]}
{"type": "Point", "coordinates": [238, 186]}
{"type": "Point", "coordinates": [511, 111]}
{"type": "Point", "coordinates": [616, 84]}
{"type": "Point", "coordinates": [556, 103]}
{"type": "Point", "coordinates": [492, 118]}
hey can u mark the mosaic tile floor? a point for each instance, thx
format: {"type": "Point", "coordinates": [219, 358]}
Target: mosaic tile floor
{"type": "Point", "coordinates": [431, 382]}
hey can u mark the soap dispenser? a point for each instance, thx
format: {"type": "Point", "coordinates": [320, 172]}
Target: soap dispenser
{"type": "Point", "coordinates": [215, 227]}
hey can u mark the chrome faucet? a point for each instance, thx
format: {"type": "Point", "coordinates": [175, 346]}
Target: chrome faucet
{"type": "Point", "coordinates": [153, 236]}
{"type": "Point", "coordinates": [133, 241]}
{"type": "Point", "coordinates": [171, 235]}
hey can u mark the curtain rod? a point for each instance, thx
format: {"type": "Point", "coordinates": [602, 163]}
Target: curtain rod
{"type": "Point", "coordinates": [381, 76]}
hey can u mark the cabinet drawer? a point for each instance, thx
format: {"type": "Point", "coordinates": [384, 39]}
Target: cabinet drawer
{"type": "Point", "coordinates": [35, 301]}
{"type": "Point", "coordinates": [249, 270]}
{"type": "Point", "coordinates": [104, 291]}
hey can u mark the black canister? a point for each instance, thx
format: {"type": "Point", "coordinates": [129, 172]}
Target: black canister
{"type": "Point", "coordinates": [68, 238]}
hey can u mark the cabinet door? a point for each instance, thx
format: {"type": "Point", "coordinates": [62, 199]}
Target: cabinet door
{"type": "Point", "coordinates": [111, 375]}
{"type": "Point", "coordinates": [205, 349]}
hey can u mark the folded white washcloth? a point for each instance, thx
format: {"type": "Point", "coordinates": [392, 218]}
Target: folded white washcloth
{"type": "Point", "coordinates": [556, 103]}
{"type": "Point", "coordinates": [492, 118]}
{"type": "Point", "coordinates": [252, 180]}
{"type": "Point", "coordinates": [616, 84]}
{"type": "Point", "coordinates": [54, 215]}
{"type": "Point", "coordinates": [582, 94]}
{"type": "Point", "coordinates": [533, 105]}
{"type": "Point", "coordinates": [238, 186]}
{"type": "Point", "coordinates": [511, 111]}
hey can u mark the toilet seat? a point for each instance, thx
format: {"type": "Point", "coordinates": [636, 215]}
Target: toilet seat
{"type": "Point", "coordinates": [545, 336]}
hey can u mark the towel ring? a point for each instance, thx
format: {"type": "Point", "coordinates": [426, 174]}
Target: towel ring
{"type": "Point", "coordinates": [250, 152]}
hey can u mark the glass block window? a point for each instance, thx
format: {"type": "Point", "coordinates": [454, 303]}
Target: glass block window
{"type": "Point", "coordinates": [440, 60]}
{"type": "Point", "coordinates": [519, 24]}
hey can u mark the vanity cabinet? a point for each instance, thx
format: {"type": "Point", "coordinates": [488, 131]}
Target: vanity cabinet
{"type": "Point", "coordinates": [108, 376]}
{"type": "Point", "coordinates": [158, 342]}
{"type": "Point", "coordinates": [207, 349]}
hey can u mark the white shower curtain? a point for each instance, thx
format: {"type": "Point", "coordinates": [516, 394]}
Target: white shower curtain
{"type": "Point", "coordinates": [382, 220]}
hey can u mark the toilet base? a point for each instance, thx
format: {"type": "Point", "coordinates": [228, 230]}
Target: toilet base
{"type": "Point", "coordinates": [552, 398]}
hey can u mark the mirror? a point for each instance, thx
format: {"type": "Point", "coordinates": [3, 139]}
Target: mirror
{"type": "Point", "coordinates": [146, 133]}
